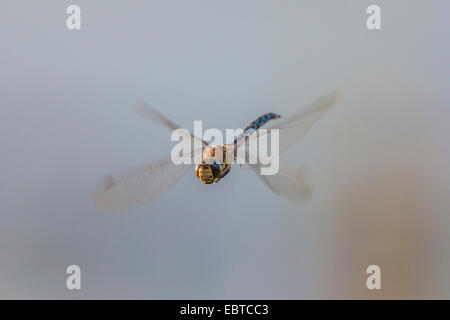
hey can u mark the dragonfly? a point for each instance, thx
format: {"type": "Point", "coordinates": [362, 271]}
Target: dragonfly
{"type": "Point", "coordinates": [145, 183]}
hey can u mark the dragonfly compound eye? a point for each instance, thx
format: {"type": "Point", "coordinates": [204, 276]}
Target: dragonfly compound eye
{"type": "Point", "coordinates": [216, 170]}
{"type": "Point", "coordinates": [204, 173]}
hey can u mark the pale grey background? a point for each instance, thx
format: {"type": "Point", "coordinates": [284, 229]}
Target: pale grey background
{"type": "Point", "coordinates": [379, 160]}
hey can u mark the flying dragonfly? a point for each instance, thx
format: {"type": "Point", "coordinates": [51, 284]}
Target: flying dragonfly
{"type": "Point", "coordinates": [145, 183]}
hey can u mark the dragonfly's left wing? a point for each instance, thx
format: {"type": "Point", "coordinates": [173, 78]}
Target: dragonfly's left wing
{"type": "Point", "coordinates": [289, 183]}
{"type": "Point", "coordinates": [140, 185]}
{"type": "Point", "coordinates": [144, 109]}
{"type": "Point", "coordinates": [294, 127]}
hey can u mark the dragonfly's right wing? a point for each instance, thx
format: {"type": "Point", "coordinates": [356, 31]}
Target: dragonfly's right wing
{"type": "Point", "coordinates": [144, 109]}
{"type": "Point", "coordinates": [139, 185]}
{"type": "Point", "coordinates": [289, 183]}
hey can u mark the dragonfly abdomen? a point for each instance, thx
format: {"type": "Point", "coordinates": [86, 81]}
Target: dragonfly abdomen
{"type": "Point", "coordinates": [258, 123]}
{"type": "Point", "coordinates": [255, 125]}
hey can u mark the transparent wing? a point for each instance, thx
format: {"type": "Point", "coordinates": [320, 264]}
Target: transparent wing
{"type": "Point", "coordinates": [144, 109]}
{"type": "Point", "coordinates": [294, 127]}
{"type": "Point", "coordinates": [138, 185]}
{"type": "Point", "coordinates": [289, 183]}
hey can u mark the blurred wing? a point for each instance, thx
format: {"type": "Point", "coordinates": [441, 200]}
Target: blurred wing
{"type": "Point", "coordinates": [294, 127]}
{"type": "Point", "coordinates": [139, 185]}
{"type": "Point", "coordinates": [289, 183]}
{"type": "Point", "coordinates": [144, 109]}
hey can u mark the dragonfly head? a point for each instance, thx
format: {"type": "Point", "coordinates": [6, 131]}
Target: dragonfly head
{"type": "Point", "coordinates": [208, 173]}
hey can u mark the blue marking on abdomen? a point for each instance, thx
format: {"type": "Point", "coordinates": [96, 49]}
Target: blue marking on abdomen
{"type": "Point", "coordinates": [258, 123]}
